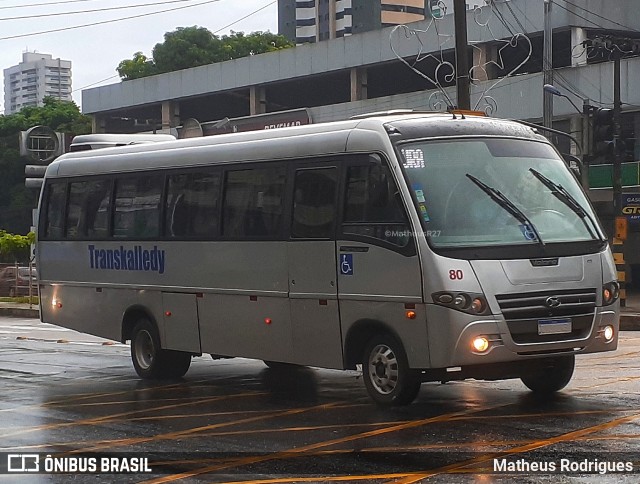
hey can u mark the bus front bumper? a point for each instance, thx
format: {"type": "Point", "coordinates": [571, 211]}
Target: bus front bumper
{"type": "Point", "coordinates": [452, 335]}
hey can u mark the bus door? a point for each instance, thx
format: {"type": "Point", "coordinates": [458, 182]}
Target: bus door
{"type": "Point", "coordinates": [311, 251]}
{"type": "Point", "coordinates": [379, 274]}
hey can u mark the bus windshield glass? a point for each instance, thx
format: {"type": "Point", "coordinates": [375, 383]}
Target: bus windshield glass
{"type": "Point", "coordinates": [496, 192]}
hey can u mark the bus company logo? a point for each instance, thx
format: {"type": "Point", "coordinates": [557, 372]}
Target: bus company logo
{"type": "Point", "coordinates": [23, 463]}
{"type": "Point", "coordinates": [544, 262]}
{"type": "Point", "coordinates": [552, 302]}
{"type": "Point", "coordinates": [136, 258]}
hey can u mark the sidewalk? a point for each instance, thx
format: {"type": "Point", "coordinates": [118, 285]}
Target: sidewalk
{"type": "Point", "coordinates": [629, 317]}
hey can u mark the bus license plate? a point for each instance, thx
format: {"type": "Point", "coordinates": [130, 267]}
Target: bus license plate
{"type": "Point", "coordinates": [554, 326]}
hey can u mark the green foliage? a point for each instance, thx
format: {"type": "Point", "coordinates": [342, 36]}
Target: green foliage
{"type": "Point", "coordinates": [21, 299]}
{"type": "Point", "coordinates": [137, 67]}
{"type": "Point", "coordinates": [15, 247]}
{"type": "Point", "coordinates": [16, 200]}
{"type": "Point", "coordinates": [188, 47]}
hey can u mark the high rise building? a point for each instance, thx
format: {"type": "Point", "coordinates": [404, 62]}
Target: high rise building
{"type": "Point", "coordinates": [316, 20]}
{"type": "Point", "coordinates": [37, 76]}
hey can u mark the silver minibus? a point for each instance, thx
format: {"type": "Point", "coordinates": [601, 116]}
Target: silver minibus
{"type": "Point", "coordinates": [417, 247]}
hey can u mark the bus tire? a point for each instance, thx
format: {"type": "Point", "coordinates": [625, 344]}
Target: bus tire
{"type": "Point", "coordinates": [386, 372]}
{"type": "Point", "coordinates": [150, 360]}
{"type": "Point", "coordinates": [550, 375]}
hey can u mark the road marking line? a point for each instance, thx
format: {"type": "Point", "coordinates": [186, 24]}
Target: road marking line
{"type": "Point", "coordinates": [298, 451]}
{"type": "Point", "coordinates": [450, 469]}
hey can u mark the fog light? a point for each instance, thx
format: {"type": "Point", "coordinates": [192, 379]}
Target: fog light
{"type": "Point", "coordinates": [608, 333]}
{"type": "Point", "coordinates": [480, 344]}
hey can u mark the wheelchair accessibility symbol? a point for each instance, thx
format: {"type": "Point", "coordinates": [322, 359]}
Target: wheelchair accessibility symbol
{"type": "Point", "coordinates": [346, 264]}
{"type": "Point", "coordinates": [528, 232]}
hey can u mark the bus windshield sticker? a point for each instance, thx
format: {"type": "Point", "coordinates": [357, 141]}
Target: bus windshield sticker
{"type": "Point", "coordinates": [425, 214]}
{"type": "Point", "coordinates": [413, 158]}
{"type": "Point", "coordinates": [420, 196]}
{"type": "Point", "coordinates": [346, 264]}
{"type": "Point", "coordinates": [528, 232]}
{"type": "Point", "coordinates": [136, 258]}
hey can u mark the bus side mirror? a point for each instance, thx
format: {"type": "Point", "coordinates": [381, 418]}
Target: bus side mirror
{"type": "Point", "coordinates": [574, 164]}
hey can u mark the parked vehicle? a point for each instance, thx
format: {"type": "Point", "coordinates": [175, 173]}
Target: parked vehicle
{"type": "Point", "coordinates": [12, 285]}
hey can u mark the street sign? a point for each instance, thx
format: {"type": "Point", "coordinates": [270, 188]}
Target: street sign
{"type": "Point", "coordinates": [630, 207]}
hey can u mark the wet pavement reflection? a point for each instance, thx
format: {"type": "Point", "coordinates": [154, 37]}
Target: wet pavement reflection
{"type": "Point", "coordinates": [236, 420]}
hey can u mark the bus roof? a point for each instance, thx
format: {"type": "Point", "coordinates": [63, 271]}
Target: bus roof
{"type": "Point", "coordinates": [354, 135]}
{"type": "Point", "coordinates": [84, 142]}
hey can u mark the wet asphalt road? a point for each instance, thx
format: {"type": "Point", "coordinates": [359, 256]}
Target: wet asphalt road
{"type": "Point", "coordinates": [71, 395]}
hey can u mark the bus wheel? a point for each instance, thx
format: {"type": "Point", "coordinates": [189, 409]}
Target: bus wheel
{"type": "Point", "coordinates": [386, 372]}
{"type": "Point", "coordinates": [550, 375]}
{"type": "Point", "coordinates": [150, 360]}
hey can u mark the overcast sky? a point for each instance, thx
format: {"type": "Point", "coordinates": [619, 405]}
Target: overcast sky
{"type": "Point", "coordinates": [95, 51]}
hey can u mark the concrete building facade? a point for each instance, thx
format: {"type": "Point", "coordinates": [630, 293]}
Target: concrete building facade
{"type": "Point", "coordinates": [33, 79]}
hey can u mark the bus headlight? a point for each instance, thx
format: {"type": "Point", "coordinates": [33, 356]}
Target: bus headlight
{"type": "Point", "coordinates": [608, 333]}
{"type": "Point", "coordinates": [610, 293]}
{"type": "Point", "coordinates": [480, 344]}
{"type": "Point", "coordinates": [462, 301]}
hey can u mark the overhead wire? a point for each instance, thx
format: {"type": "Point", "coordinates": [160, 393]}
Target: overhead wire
{"type": "Point", "coordinates": [592, 13]}
{"type": "Point", "coordinates": [103, 22]}
{"type": "Point", "coordinates": [245, 17]}
{"type": "Point", "coordinates": [560, 78]}
{"type": "Point", "coordinates": [222, 28]}
{"type": "Point", "coordinates": [105, 9]}
{"type": "Point", "coordinates": [44, 4]}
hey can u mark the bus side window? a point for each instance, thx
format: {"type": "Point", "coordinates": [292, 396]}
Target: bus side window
{"type": "Point", "coordinates": [55, 209]}
{"type": "Point", "coordinates": [192, 205]}
{"type": "Point", "coordinates": [253, 202]}
{"type": "Point", "coordinates": [314, 204]}
{"type": "Point", "coordinates": [137, 207]}
{"type": "Point", "coordinates": [373, 207]}
{"type": "Point", "coordinates": [87, 211]}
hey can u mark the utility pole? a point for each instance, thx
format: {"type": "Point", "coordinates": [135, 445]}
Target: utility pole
{"type": "Point", "coordinates": [617, 139]}
{"type": "Point", "coordinates": [462, 54]}
{"type": "Point", "coordinates": [618, 217]}
{"type": "Point", "coordinates": [547, 66]}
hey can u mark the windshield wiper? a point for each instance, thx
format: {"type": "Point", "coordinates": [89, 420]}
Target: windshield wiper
{"type": "Point", "coordinates": [565, 197]}
{"type": "Point", "coordinates": [502, 200]}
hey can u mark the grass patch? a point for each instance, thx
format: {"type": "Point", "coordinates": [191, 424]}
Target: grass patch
{"type": "Point", "coordinates": [20, 300]}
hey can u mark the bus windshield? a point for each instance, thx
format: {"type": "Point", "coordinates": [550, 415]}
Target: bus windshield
{"type": "Point", "coordinates": [496, 192]}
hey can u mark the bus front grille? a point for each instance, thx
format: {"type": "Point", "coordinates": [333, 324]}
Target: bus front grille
{"type": "Point", "coordinates": [524, 311]}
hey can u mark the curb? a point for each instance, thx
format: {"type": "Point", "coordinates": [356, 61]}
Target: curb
{"type": "Point", "coordinates": [20, 312]}
{"type": "Point", "coordinates": [630, 322]}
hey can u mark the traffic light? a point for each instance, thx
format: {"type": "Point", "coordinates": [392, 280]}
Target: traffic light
{"type": "Point", "coordinates": [603, 131]}
{"type": "Point", "coordinates": [40, 145]}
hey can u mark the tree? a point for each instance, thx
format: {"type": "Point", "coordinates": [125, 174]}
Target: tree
{"type": "Point", "coordinates": [15, 247]}
{"type": "Point", "coordinates": [188, 47]}
{"type": "Point", "coordinates": [137, 67]}
{"type": "Point", "coordinates": [16, 201]}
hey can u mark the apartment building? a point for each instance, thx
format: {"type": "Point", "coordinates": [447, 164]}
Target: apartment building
{"type": "Point", "coordinates": [305, 21]}
{"type": "Point", "coordinates": [37, 76]}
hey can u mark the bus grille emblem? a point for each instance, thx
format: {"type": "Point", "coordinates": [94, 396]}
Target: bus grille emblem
{"type": "Point", "coordinates": [552, 302]}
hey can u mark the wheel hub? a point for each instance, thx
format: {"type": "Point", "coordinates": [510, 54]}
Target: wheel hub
{"type": "Point", "coordinates": [383, 369]}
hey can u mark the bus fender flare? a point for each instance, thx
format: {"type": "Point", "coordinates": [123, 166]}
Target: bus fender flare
{"type": "Point", "coordinates": [131, 316]}
{"type": "Point", "coordinates": [359, 334]}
